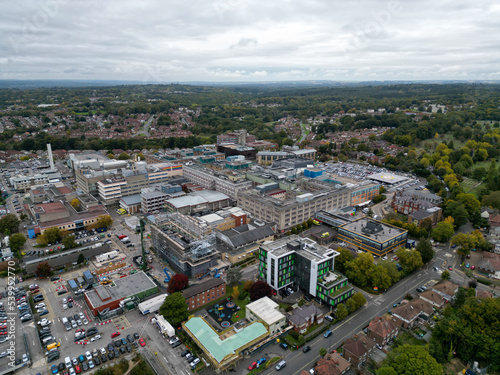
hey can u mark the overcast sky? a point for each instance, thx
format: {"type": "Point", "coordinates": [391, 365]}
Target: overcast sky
{"type": "Point", "coordinates": [250, 40]}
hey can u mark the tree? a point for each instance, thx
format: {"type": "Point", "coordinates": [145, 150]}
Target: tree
{"type": "Point", "coordinates": [175, 309]}
{"type": "Point", "coordinates": [260, 289]}
{"type": "Point", "coordinates": [410, 260]}
{"type": "Point", "coordinates": [123, 156]}
{"type": "Point", "coordinates": [69, 242]}
{"type": "Point", "coordinates": [380, 277]}
{"type": "Point", "coordinates": [359, 299]}
{"type": "Point", "coordinates": [392, 270]}
{"type": "Point", "coordinates": [426, 224]}
{"type": "Point", "coordinates": [177, 283]}
{"type": "Point", "coordinates": [412, 359]}
{"type": "Point", "coordinates": [445, 275]}
{"type": "Point", "coordinates": [51, 235]}
{"type": "Point", "coordinates": [248, 284]}
{"type": "Point", "coordinates": [81, 259]}
{"type": "Point", "coordinates": [386, 371]}
{"type": "Point", "coordinates": [470, 202]}
{"type": "Point", "coordinates": [341, 312]}
{"type": "Point", "coordinates": [443, 231]}
{"type": "Point", "coordinates": [341, 260]}
{"type": "Point", "coordinates": [492, 200]}
{"type": "Point", "coordinates": [234, 275]}
{"type": "Point", "coordinates": [351, 305]}
{"type": "Point", "coordinates": [17, 241]}
{"type": "Point", "coordinates": [460, 297]}
{"type": "Point", "coordinates": [322, 351]}
{"type": "Point", "coordinates": [75, 203]}
{"type": "Point", "coordinates": [360, 269]}
{"type": "Point", "coordinates": [104, 221]}
{"type": "Point", "coordinates": [43, 270]}
{"type": "Point", "coordinates": [466, 242]}
{"type": "Point", "coordinates": [426, 251]}
{"type": "Point", "coordinates": [236, 292]}
{"type": "Point", "coordinates": [9, 224]}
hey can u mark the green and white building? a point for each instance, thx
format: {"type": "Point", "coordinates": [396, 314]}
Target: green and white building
{"type": "Point", "coordinates": [294, 260]}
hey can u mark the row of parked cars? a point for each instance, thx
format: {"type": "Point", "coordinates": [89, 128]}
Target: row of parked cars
{"type": "Point", "coordinates": [90, 360]}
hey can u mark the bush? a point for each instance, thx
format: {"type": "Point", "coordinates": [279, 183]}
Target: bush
{"type": "Point", "coordinates": [484, 281]}
{"type": "Point", "coordinates": [294, 334]}
{"type": "Point", "coordinates": [301, 302]}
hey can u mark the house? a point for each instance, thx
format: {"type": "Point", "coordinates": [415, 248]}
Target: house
{"type": "Point", "coordinates": [357, 349]}
{"type": "Point", "coordinates": [446, 289]}
{"type": "Point", "coordinates": [332, 364]}
{"type": "Point", "coordinates": [433, 298]}
{"type": "Point", "coordinates": [483, 294]}
{"type": "Point", "coordinates": [495, 220]}
{"type": "Point", "coordinates": [208, 291]}
{"type": "Point", "coordinates": [303, 317]}
{"type": "Point", "coordinates": [266, 311]}
{"type": "Point", "coordinates": [490, 264]}
{"type": "Point", "coordinates": [407, 314]}
{"type": "Point", "coordinates": [382, 329]}
{"type": "Point", "coordinates": [433, 213]}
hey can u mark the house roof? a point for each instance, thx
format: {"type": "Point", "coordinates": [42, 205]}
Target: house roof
{"type": "Point", "coordinates": [243, 235]}
{"type": "Point", "coordinates": [332, 364]}
{"type": "Point", "coordinates": [359, 344]}
{"type": "Point", "coordinates": [484, 294]}
{"type": "Point", "coordinates": [382, 326]}
{"type": "Point", "coordinates": [266, 309]}
{"type": "Point", "coordinates": [202, 287]}
{"type": "Point", "coordinates": [302, 314]}
{"type": "Point", "coordinates": [446, 287]}
{"type": "Point", "coordinates": [432, 296]}
{"type": "Point", "coordinates": [410, 310]}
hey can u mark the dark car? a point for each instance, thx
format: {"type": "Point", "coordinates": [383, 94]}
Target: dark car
{"type": "Point", "coordinates": [284, 346]}
{"type": "Point", "coordinates": [129, 348]}
{"type": "Point", "coordinates": [111, 355]}
{"type": "Point", "coordinates": [118, 343]}
{"type": "Point", "coordinates": [176, 344]}
{"type": "Point", "coordinates": [104, 358]}
{"type": "Point", "coordinates": [306, 349]}
{"type": "Point", "coordinates": [117, 353]}
{"type": "Point", "coordinates": [136, 335]}
{"type": "Point", "coordinates": [135, 344]}
{"type": "Point", "coordinates": [130, 338]}
{"type": "Point", "coordinates": [122, 349]}
{"type": "Point", "coordinates": [61, 366]}
{"type": "Point", "coordinates": [307, 298]}
{"type": "Point", "coordinates": [124, 341]}
{"type": "Point", "coordinates": [85, 366]}
{"type": "Point", "coordinates": [185, 352]}
{"type": "Point", "coordinates": [97, 361]}
{"type": "Point", "coordinates": [54, 278]}
{"type": "Point", "coordinates": [53, 357]}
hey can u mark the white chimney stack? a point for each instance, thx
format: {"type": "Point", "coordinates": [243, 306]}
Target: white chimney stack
{"type": "Point", "coordinates": [51, 158]}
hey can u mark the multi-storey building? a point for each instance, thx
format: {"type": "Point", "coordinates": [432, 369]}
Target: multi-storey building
{"type": "Point", "coordinates": [25, 182]}
{"type": "Point", "coordinates": [301, 204]}
{"type": "Point", "coordinates": [240, 137]}
{"type": "Point", "coordinates": [373, 236]}
{"type": "Point", "coordinates": [206, 292]}
{"type": "Point", "coordinates": [213, 180]}
{"type": "Point", "coordinates": [303, 262]}
{"type": "Point", "coordinates": [267, 157]}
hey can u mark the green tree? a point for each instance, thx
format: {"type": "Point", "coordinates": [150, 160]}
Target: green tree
{"type": "Point", "coordinates": [360, 269]}
{"type": "Point", "coordinates": [386, 371]}
{"type": "Point", "coordinates": [51, 235]}
{"type": "Point", "coordinates": [380, 277]}
{"type": "Point", "coordinates": [359, 299]}
{"type": "Point", "coordinates": [466, 242]}
{"type": "Point", "coordinates": [9, 224]}
{"type": "Point", "coordinates": [81, 259]}
{"type": "Point", "coordinates": [460, 297]}
{"type": "Point", "coordinates": [322, 352]}
{"type": "Point", "coordinates": [341, 312]}
{"type": "Point", "coordinates": [234, 275]}
{"type": "Point", "coordinates": [492, 200]}
{"type": "Point", "coordinates": [351, 305]}
{"type": "Point", "coordinates": [426, 251]}
{"type": "Point", "coordinates": [479, 173]}
{"type": "Point", "coordinates": [175, 309]}
{"type": "Point", "coordinates": [341, 260]}
{"type": "Point", "coordinates": [443, 231]}
{"type": "Point", "coordinates": [410, 260]}
{"type": "Point", "coordinates": [470, 202]}
{"type": "Point", "coordinates": [123, 156]}
{"type": "Point", "coordinates": [392, 270]}
{"type": "Point", "coordinates": [69, 242]}
{"type": "Point", "coordinates": [445, 275]}
{"type": "Point", "coordinates": [412, 359]}
{"type": "Point", "coordinates": [17, 241]}
{"type": "Point", "coordinates": [104, 221]}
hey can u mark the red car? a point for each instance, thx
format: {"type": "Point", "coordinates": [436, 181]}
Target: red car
{"type": "Point", "coordinates": [114, 334]}
{"type": "Point", "coordinates": [468, 256]}
{"type": "Point", "coordinates": [35, 291]}
{"type": "Point", "coordinates": [252, 366]}
{"type": "Point", "coordinates": [142, 342]}
{"type": "Point", "coordinates": [472, 267]}
{"type": "Point", "coordinates": [450, 268]}
{"type": "Point", "coordinates": [78, 369]}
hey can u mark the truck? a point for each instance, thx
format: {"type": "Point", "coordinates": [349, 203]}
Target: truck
{"type": "Point", "coordinates": [125, 240]}
{"type": "Point", "coordinates": [120, 237]}
{"type": "Point", "coordinates": [153, 304]}
{"type": "Point", "coordinates": [165, 327]}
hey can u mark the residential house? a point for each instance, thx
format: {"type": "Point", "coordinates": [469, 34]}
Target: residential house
{"type": "Point", "coordinates": [357, 349]}
{"type": "Point", "coordinates": [303, 317]}
{"type": "Point", "coordinates": [446, 289]}
{"type": "Point", "coordinates": [332, 364]}
{"type": "Point", "coordinates": [490, 264]}
{"type": "Point", "coordinates": [382, 329]}
{"type": "Point", "coordinates": [408, 314]}
{"type": "Point", "coordinates": [434, 298]}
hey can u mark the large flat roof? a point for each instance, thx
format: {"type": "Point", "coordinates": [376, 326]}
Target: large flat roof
{"type": "Point", "coordinates": [218, 348]}
{"type": "Point", "coordinates": [123, 288]}
{"type": "Point", "coordinates": [266, 309]}
{"type": "Point", "coordinates": [387, 178]}
{"type": "Point", "coordinates": [373, 229]}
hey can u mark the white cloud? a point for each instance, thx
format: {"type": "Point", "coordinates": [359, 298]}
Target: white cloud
{"type": "Point", "coordinates": [217, 40]}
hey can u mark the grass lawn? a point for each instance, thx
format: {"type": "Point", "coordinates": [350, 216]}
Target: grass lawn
{"type": "Point", "coordinates": [240, 303]}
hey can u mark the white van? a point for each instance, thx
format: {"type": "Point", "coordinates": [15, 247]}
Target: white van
{"type": "Point", "coordinates": [68, 363]}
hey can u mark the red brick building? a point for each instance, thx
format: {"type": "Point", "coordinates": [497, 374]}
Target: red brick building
{"type": "Point", "coordinates": [382, 329]}
{"type": "Point", "coordinates": [206, 292]}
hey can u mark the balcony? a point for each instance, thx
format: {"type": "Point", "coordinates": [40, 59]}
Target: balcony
{"type": "Point", "coordinates": [331, 279]}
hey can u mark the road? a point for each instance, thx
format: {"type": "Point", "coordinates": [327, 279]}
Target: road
{"type": "Point", "coordinates": [303, 133]}
{"type": "Point", "coordinates": [145, 129]}
{"type": "Point", "coordinates": [375, 306]}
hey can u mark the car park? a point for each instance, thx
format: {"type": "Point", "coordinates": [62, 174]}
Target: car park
{"type": "Point", "coordinates": [176, 344]}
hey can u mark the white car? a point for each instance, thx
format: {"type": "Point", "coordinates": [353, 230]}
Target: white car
{"type": "Point", "coordinates": [88, 355]}
{"type": "Point", "coordinates": [64, 306]}
{"type": "Point", "coordinates": [40, 305]}
{"type": "Point", "coordinates": [96, 337]}
{"type": "Point", "coordinates": [82, 316]}
{"type": "Point", "coordinates": [103, 351]}
{"type": "Point", "coordinates": [44, 321]}
{"type": "Point", "coordinates": [85, 321]}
